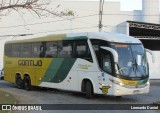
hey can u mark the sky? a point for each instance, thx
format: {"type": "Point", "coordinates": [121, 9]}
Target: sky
{"type": "Point", "coordinates": [126, 5]}
{"type": "Point", "coordinates": [129, 5]}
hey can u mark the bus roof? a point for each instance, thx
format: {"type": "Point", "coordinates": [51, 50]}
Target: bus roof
{"type": "Point", "coordinates": [111, 37]}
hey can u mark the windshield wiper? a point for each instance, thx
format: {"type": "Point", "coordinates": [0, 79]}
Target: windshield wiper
{"type": "Point", "coordinates": [136, 67]}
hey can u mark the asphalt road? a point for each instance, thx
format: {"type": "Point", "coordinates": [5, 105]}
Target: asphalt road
{"type": "Point", "coordinates": [48, 96]}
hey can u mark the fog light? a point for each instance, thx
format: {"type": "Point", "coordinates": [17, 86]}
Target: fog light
{"type": "Point", "coordinates": [118, 90]}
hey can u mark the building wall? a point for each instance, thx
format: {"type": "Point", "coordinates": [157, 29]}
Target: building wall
{"type": "Point", "coordinates": [150, 9]}
{"type": "Point", "coordinates": [112, 15]}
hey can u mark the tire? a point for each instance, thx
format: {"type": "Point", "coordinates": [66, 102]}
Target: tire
{"type": "Point", "coordinates": [27, 83]}
{"type": "Point", "coordinates": [19, 82]}
{"type": "Point", "coordinates": [89, 90]}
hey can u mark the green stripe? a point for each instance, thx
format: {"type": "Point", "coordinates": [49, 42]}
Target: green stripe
{"type": "Point", "coordinates": [58, 70]}
{"type": "Point", "coordinates": [52, 70]}
{"type": "Point", "coordinates": [75, 38]}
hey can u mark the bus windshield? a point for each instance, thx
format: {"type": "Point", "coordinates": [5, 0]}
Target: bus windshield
{"type": "Point", "coordinates": [132, 61]}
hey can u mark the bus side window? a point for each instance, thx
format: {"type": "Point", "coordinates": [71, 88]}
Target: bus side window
{"type": "Point", "coordinates": [82, 50]}
{"type": "Point", "coordinates": [96, 43]}
{"type": "Point", "coordinates": [25, 50]}
{"type": "Point", "coordinates": [8, 50]}
{"type": "Point", "coordinates": [65, 49]}
{"type": "Point", "coordinates": [15, 50]}
{"type": "Point", "coordinates": [51, 49]}
{"type": "Point", "coordinates": [107, 63]}
{"type": "Point", "coordinates": [37, 49]}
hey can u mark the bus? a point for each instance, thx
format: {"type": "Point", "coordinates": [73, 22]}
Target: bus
{"type": "Point", "coordinates": [91, 62]}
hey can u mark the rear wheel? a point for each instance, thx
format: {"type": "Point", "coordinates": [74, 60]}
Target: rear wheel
{"type": "Point", "coordinates": [27, 83]}
{"type": "Point", "coordinates": [19, 82]}
{"type": "Point", "coordinates": [89, 90]}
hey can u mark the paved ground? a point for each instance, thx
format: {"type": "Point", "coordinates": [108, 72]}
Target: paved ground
{"type": "Point", "coordinates": [41, 96]}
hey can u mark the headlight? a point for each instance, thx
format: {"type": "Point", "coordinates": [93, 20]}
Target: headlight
{"type": "Point", "coordinates": [117, 82]}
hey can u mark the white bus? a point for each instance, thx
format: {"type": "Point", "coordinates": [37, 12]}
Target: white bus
{"type": "Point", "coordinates": [93, 63]}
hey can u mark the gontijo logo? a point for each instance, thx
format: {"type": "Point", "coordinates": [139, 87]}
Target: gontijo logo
{"type": "Point", "coordinates": [30, 62]}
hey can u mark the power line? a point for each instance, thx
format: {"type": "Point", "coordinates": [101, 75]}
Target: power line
{"type": "Point", "coordinates": [65, 29]}
{"type": "Point", "coordinates": [74, 19]}
{"type": "Point", "coordinates": [4, 36]}
{"type": "Point", "coordinates": [44, 32]}
{"type": "Point", "coordinates": [32, 24]}
{"type": "Point", "coordinates": [52, 21]}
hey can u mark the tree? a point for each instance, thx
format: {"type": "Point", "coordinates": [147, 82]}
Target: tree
{"type": "Point", "coordinates": [37, 7]}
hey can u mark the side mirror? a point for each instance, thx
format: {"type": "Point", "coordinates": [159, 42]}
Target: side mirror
{"type": "Point", "coordinates": [114, 53]}
{"type": "Point", "coordinates": [152, 54]}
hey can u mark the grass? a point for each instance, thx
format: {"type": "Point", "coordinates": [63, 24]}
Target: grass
{"type": "Point", "coordinates": [6, 98]}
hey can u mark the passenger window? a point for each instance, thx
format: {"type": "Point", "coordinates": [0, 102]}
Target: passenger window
{"type": "Point", "coordinates": [65, 49]}
{"type": "Point", "coordinates": [15, 50]}
{"type": "Point", "coordinates": [8, 50]}
{"type": "Point", "coordinates": [25, 50]}
{"type": "Point", "coordinates": [51, 49]}
{"type": "Point", "coordinates": [37, 49]}
{"type": "Point", "coordinates": [82, 50]}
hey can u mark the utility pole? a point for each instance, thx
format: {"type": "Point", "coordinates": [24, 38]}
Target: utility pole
{"type": "Point", "coordinates": [101, 3]}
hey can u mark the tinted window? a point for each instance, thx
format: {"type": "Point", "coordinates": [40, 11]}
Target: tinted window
{"type": "Point", "coordinates": [15, 50]}
{"type": "Point", "coordinates": [8, 48]}
{"type": "Point", "coordinates": [65, 48]}
{"type": "Point", "coordinates": [51, 49]}
{"type": "Point", "coordinates": [96, 44]}
{"type": "Point", "coordinates": [82, 50]}
{"type": "Point", "coordinates": [37, 49]}
{"type": "Point", "coordinates": [25, 50]}
{"type": "Point", "coordinates": [106, 63]}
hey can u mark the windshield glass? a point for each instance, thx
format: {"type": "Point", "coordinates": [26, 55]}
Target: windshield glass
{"type": "Point", "coordinates": [131, 60]}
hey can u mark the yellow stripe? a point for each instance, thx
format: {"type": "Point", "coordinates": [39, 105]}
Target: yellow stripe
{"type": "Point", "coordinates": [129, 82]}
{"type": "Point", "coordinates": [39, 39]}
{"type": "Point", "coordinates": [36, 73]}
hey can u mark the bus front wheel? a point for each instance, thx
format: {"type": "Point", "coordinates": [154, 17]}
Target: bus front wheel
{"type": "Point", "coordinates": [27, 83]}
{"type": "Point", "coordinates": [89, 90]}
